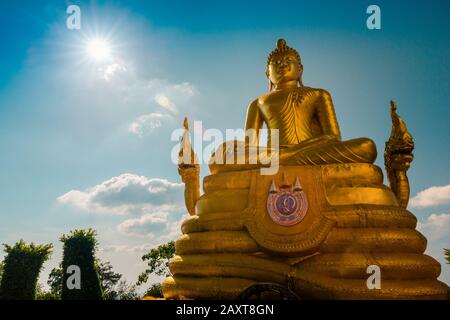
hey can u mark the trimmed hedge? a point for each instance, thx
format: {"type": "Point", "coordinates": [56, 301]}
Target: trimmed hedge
{"type": "Point", "coordinates": [21, 268]}
{"type": "Point", "coordinates": [79, 249]}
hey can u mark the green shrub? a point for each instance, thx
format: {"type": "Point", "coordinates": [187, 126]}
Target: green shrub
{"type": "Point", "coordinates": [22, 265]}
{"type": "Point", "coordinates": [112, 287]}
{"type": "Point", "coordinates": [154, 291]}
{"type": "Point", "coordinates": [79, 249]}
{"type": "Point", "coordinates": [42, 294]}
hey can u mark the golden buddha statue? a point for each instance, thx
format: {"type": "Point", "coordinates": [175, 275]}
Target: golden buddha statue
{"type": "Point", "coordinates": [319, 224]}
{"type": "Point", "coordinates": [308, 129]}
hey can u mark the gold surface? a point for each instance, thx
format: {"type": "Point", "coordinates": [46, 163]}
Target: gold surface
{"type": "Point", "coordinates": [326, 255]}
{"type": "Point", "coordinates": [398, 157]}
{"type": "Point", "coordinates": [353, 220]}
{"type": "Point", "coordinates": [305, 117]}
{"type": "Point", "coordinates": [189, 170]}
{"type": "Point", "coordinates": [217, 241]}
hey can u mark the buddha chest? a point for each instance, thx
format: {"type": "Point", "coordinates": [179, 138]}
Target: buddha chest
{"type": "Point", "coordinates": [293, 113]}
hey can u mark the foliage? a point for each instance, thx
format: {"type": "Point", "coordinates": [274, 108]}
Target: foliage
{"type": "Point", "coordinates": [158, 261]}
{"type": "Point", "coordinates": [154, 291]}
{"type": "Point", "coordinates": [21, 269]}
{"type": "Point", "coordinates": [55, 280]}
{"type": "Point", "coordinates": [447, 255]}
{"type": "Point", "coordinates": [125, 291]}
{"type": "Point", "coordinates": [42, 294]}
{"type": "Point", "coordinates": [79, 249]}
{"type": "Point", "coordinates": [108, 279]}
{"type": "Point", "coordinates": [112, 287]}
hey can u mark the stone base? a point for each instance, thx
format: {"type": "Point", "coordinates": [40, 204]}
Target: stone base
{"type": "Point", "coordinates": [353, 221]}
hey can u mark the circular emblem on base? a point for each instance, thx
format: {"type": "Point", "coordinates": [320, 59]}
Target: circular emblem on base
{"type": "Point", "coordinates": [287, 205]}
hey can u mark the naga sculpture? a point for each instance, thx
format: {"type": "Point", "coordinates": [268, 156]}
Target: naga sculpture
{"type": "Point", "coordinates": [398, 156]}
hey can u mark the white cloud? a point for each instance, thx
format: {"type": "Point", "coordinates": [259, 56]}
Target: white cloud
{"type": "Point", "coordinates": [160, 226]}
{"type": "Point", "coordinates": [169, 95]}
{"type": "Point", "coordinates": [147, 225]}
{"type": "Point", "coordinates": [127, 194]}
{"type": "Point", "coordinates": [146, 123]}
{"type": "Point", "coordinates": [157, 205]}
{"type": "Point", "coordinates": [436, 226]}
{"type": "Point", "coordinates": [185, 88]}
{"type": "Point", "coordinates": [166, 103]}
{"type": "Point", "coordinates": [127, 248]}
{"type": "Point", "coordinates": [143, 96]}
{"type": "Point", "coordinates": [166, 95]}
{"type": "Point", "coordinates": [110, 70]}
{"type": "Point", "coordinates": [432, 197]}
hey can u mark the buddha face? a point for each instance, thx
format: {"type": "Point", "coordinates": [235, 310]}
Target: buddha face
{"type": "Point", "coordinates": [283, 68]}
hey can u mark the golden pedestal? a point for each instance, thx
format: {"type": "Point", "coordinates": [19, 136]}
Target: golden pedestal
{"type": "Point", "coordinates": [353, 221]}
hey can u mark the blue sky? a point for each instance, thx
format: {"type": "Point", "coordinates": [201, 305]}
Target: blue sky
{"type": "Point", "coordinates": [82, 141]}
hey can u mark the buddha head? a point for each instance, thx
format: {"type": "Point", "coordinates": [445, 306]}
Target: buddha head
{"type": "Point", "coordinates": [283, 65]}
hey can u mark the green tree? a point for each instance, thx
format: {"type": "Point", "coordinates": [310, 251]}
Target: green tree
{"type": "Point", "coordinates": [55, 280]}
{"type": "Point", "coordinates": [1, 271]}
{"type": "Point", "coordinates": [158, 264]}
{"type": "Point", "coordinates": [154, 291]}
{"type": "Point", "coordinates": [112, 287]}
{"type": "Point", "coordinates": [22, 265]}
{"type": "Point", "coordinates": [158, 261]}
{"type": "Point", "coordinates": [108, 279]}
{"type": "Point", "coordinates": [125, 291]}
{"type": "Point", "coordinates": [79, 248]}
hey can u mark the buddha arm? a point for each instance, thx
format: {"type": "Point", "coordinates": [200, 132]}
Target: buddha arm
{"type": "Point", "coordinates": [326, 115]}
{"type": "Point", "coordinates": [253, 121]}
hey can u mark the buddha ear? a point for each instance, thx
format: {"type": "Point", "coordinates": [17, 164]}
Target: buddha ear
{"type": "Point", "coordinates": [270, 85]}
{"type": "Point", "coordinates": [300, 71]}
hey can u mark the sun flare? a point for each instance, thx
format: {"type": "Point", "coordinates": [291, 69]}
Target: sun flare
{"type": "Point", "coordinates": [99, 49]}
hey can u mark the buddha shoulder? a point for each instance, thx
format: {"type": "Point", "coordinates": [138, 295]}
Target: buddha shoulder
{"type": "Point", "coordinates": [312, 93]}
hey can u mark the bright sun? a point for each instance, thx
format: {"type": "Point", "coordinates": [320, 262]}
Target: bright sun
{"type": "Point", "coordinates": [99, 49]}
